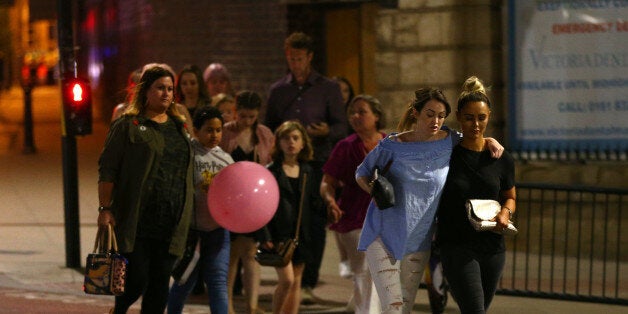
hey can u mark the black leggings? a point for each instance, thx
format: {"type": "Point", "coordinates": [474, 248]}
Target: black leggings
{"type": "Point", "coordinates": [472, 276]}
{"type": "Point", "coordinates": [148, 275]}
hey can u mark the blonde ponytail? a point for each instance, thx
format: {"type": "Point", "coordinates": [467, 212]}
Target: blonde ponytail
{"type": "Point", "coordinates": [407, 120]}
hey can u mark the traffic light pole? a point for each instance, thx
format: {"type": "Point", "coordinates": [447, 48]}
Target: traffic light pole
{"type": "Point", "coordinates": [29, 146]}
{"type": "Point", "coordinates": [67, 64]}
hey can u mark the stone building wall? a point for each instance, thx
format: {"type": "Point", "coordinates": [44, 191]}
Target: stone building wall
{"type": "Point", "coordinates": [442, 42]}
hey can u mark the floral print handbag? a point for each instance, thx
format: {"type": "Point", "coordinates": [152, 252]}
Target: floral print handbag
{"type": "Point", "coordinates": [105, 269]}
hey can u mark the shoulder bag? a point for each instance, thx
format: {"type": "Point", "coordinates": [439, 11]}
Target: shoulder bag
{"type": "Point", "coordinates": [105, 269]}
{"type": "Point", "coordinates": [282, 252]}
{"type": "Point", "coordinates": [381, 189]}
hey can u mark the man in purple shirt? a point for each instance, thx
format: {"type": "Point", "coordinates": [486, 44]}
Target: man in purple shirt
{"type": "Point", "coordinates": [309, 97]}
{"type": "Point", "coordinates": [315, 101]}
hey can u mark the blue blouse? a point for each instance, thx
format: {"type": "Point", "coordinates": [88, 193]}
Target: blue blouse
{"type": "Point", "coordinates": [417, 173]}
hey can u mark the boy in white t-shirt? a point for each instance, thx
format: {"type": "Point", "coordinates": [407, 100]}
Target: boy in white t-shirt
{"type": "Point", "coordinates": [213, 264]}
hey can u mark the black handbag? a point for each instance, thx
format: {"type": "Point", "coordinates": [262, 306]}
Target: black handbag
{"type": "Point", "coordinates": [381, 189]}
{"type": "Point", "coordinates": [281, 254]}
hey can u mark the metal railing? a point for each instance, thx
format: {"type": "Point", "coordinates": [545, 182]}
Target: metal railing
{"type": "Point", "coordinates": [571, 244]}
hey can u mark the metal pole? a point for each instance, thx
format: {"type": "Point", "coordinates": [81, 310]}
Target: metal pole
{"type": "Point", "coordinates": [71, 200]}
{"type": "Point", "coordinates": [67, 64]}
{"type": "Point", "coordinates": [29, 146]}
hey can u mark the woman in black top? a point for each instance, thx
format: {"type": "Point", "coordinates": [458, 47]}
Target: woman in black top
{"type": "Point", "coordinates": [145, 189]}
{"type": "Point", "coordinates": [473, 261]}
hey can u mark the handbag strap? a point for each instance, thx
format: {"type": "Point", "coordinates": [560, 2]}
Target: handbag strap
{"type": "Point", "coordinates": [114, 240]}
{"type": "Point", "coordinates": [99, 240]}
{"type": "Point", "coordinates": [106, 240]}
{"type": "Point", "coordinates": [296, 235]}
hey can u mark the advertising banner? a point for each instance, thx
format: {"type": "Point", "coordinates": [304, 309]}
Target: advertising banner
{"type": "Point", "coordinates": [568, 88]}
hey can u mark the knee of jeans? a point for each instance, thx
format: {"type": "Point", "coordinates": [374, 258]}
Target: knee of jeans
{"type": "Point", "coordinates": [388, 270]}
{"type": "Point", "coordinates": [393, 308]}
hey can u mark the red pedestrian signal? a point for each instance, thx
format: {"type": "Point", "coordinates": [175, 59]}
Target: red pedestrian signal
{"type": "Point", "coordinates": [77, 92]}
{"type": "Point", "coordinates": [77, 106]}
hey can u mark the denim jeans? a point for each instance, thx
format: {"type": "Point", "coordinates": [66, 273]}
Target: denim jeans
{"type": "Point", "coordinates": [213, 265]}
{"type": "Point", "coordinates": [472, 276]}
{"type": "Point", "coordinates": [363, 294]}
{"type": "Point", "coordinates": [396, 281]}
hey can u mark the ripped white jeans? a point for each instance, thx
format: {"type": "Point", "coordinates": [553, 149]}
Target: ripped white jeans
{"type": "Point", "coordinates": [396, 281]}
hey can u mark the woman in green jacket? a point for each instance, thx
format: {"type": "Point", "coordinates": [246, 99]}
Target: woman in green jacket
{"type": "Point", "coordinates": [145, 189]}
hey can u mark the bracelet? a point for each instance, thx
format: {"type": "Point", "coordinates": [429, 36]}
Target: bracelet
{"type": "Point", "coordinates": [509, 211]}
{"type": "Point", "coordinates": [101, 208]}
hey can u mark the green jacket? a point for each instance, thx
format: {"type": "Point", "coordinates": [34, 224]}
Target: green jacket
{"type": "Point", "coordinates": [132, 150]}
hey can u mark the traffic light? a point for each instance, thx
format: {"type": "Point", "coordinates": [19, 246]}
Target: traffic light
{"type": "Point", "coordinates": [77, 106]}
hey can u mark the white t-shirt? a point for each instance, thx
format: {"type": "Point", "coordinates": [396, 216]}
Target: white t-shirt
{"type": "Point", "coordinates": [207, 163]}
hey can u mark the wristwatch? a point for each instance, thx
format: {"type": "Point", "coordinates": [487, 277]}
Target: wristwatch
{"type": "Point", "coordinates": [101, 208]}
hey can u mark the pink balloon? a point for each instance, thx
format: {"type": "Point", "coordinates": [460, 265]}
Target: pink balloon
{"type": "Point", "coordinates": [243, 197]}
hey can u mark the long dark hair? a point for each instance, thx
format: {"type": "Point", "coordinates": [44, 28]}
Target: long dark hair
{"type": "Point", "coordinates": [203, 95]}
{"type": "Point", "coordinates": [422, 96]}
{"type": "Point", "coordinates": [249, 100]}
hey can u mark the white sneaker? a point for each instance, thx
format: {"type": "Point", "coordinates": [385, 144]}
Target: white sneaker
{"type": "Point", "coordinates": [345, 270]}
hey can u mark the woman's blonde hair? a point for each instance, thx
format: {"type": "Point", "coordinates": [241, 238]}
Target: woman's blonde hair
{"type": "Point", "coordinates": [473, 90]}
{"type": "Point", "coordinates": [306, 154]}
{"type": "Point", "coordinates": [140, 98]}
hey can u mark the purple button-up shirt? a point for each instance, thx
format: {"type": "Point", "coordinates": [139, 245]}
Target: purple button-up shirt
{"type": "Point", "coordinates": [318, 100]}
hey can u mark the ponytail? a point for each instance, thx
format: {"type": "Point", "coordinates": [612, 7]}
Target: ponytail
{"type": "Point", "coordinates": [407, 120]}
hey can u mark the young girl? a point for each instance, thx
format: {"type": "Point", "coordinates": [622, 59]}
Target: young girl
{"type": "Point", "coordinates": [246, 140]}
{"type": "Point", "coordinates": [291, 154]}
{"type": "Point", "coordinates": [213, 264]}
{"type": "Point", "coordinates": [226, 105]}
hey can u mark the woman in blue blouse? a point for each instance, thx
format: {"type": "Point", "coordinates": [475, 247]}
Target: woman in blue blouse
{"type": "Point", "coordinates": [397, 240]}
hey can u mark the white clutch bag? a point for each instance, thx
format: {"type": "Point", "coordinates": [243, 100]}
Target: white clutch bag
{"type": "Point", "coordinates": [480, 212]}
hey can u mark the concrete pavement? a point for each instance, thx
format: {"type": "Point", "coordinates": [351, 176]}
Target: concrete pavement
{"type": "Point", "coordinates": [33, 276]}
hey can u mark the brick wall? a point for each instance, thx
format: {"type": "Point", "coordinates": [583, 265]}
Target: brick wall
{"type": "Point", "coordinates": [246, 36]}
